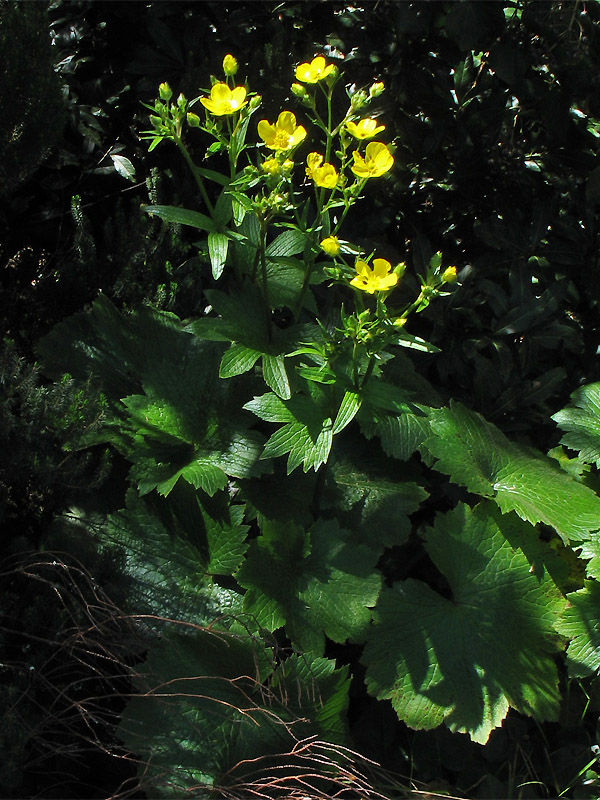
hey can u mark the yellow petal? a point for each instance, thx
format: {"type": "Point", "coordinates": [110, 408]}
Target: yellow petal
{"type": "Point", "coordinates": [381, 267]}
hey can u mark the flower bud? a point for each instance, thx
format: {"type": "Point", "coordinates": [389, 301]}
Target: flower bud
{"type": "Point", "coordinates": [299, 91]}
{"type": "Point", "coordinates": [181, 102]}
{"type": "Point", "coordinates": [400, 322]}
{"type": "Point", "coordinates": [193, 120]}
{"type": "Point", "coordinates": [400, 269]}
{"type": "Point", "coordinates": [230, 65]}
{"type": "Point", "coordinates": [255, 102]}
{"type": "Point", "coordinates": [165, 92]}
{"type": "Point", "coordinates": [449, 275]}
{"type": "Point", "coordinates": [358, 99]}
{"type": "Point", "coordinates": [376, 89]}
{"type": "Point", "coordinates": [331, 246]}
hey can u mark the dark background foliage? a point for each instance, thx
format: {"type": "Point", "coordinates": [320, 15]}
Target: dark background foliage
{"type": "Point", "coordinates": [495, 113]}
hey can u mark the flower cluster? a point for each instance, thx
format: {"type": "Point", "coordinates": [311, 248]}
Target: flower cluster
{"type": "Point", "coordinates": [350, 141]}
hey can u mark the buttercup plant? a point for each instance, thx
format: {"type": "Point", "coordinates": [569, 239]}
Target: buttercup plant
{"type": "Point", "coordinates": [299, 361]}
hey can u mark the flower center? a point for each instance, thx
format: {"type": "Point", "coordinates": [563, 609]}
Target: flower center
{"type": "Point", "coordinates": [281, 140]}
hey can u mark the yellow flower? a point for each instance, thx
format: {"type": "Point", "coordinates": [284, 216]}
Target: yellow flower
{"type": "Point", "coordinates": [315, 71]}
{"type": "Point", "coordinates": [284, 134]}
{"type": "Point", "coordinates": [323, 174]}
{"type": "Point", "coordinates": [230, 65]}
{"type": "Point", "coordinates": [331, 245]}
{"type": "Point", "coordinates": [223, 100]}
{"type": "Point", "coordinates": [374, 280]}
{"type": "Point", "coordinates": [365, 129]}
{"type": "Point", "coordinates": [376, 162]}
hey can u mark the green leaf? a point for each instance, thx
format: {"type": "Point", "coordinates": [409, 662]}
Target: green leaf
{"type": "Point", "coordinates": [348, 409]}
{"type": "Point", "coordinates": [400, 435]}
{"type": "Point", "coordinates": [317, 583]}
{"type": "Point", "coordinates": [275, 375]}
{"type": "Point", "coordinates": [218, 244]}
{"type": "Point", "coordinates": [372, 498]}
{"type": "Point", "coordinates": [183, 216]}
{"type": "Point", "coordinates": [237, 360]}
{"type": "Point", "coordinates": [464, 659]}
{"type": "Point", "coordinates": [123, 166]}
{"type": "Point", "coordinates": [581, 420]}
{"type": "Point", "coordinates": [580, 623]}
{"type": "Point", "coordinates": [213, 709]}
{"type": "Point", "coordinates": [476, 454]}
{"type": "Point", "coordinates": [289, 243]}
{"type": "Point", "coordinates": [170, 549]}
{"type": "Point", "coordinates": [323, 692]}
{"type": "Point", "coordinates": [307, 435]}
{"type": "Point", "coordinates": [211, 175]}
{"type": "Point", "coordinates": [181, 420]}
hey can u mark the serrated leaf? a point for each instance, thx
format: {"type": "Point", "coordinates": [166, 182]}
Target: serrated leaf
{"type": "Point", "coordinates": [317, 583]}
{"type": "Point", "coordinates": [270, 408]}
{"type": "Point", "coordinates": [464, 660]}
{"type": "Point", "coordinates": [275, 375]}
{"type": "Point", "coordinates": [371, 499]}
{"type": "Point", "coordinates": [348, 409]}
{"type": "Point", "coordinates": [237, 360]}
{"type": "Point", "coordinates": [213, 709]}
{"type": "Point", "coordinates": [400, 435]}
{"type": "Point", "coordinates": [476, 454]}
{"type": "Point", "coordinates": [182, 421]}
{"type": "Point", "coordinates": [322, 692]}
{"type": "Point", "coordinates": [581, 420]}
{"type": "Point", "coordinates": [307, 435]}
{"type": "Point", "coordinates": [580, 623]}
{"type": "Point", "coordinates": [288, 243]}
{"type": "Point", "coordinates": [170, 548]}
{"type": "Point", "coordinates": [218, 244]}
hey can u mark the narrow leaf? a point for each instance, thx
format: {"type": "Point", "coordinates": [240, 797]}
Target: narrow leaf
{"type": "Point", "coordinates": [348, 409]}
{"type": "Point", "coordinates": [275, 375]}
{"type": "Point", "coordinates": [218, 244]}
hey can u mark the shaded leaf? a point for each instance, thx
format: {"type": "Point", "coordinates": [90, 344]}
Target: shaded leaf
{"type": "Point", "coordinates": [465, 659]}
{"type": "Point", "coordinates": [317, 583]}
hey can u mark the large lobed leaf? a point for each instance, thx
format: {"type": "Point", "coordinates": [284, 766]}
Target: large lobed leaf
{"type": "Point", "coordinates": [172, 548]}
{"type": "Point", "coordinates": [206, 714]}
{"type": "Point", "coordinates": [581, 624]}
{"type": "Point", "coordinates": [581, 421]}
{"type": "Point", "coordinates": [476, 454]}
{"type": "Point", "coordinates": [172, 416]}
{"type": "Point", "coordinates": [465, 659]}
{"type": "Point", "coordinates": [317, 583]}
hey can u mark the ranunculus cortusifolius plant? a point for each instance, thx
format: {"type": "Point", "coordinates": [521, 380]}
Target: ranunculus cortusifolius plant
{"type": "Point", "coordinates": [301, 358]}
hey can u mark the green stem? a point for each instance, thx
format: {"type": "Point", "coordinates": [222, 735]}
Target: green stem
{"type": "Point", "coordinates": [263, 267]}
{"type": "Point", "coordinates": [368, 372]}
{"type": "Point", "coordinates": [197, 177]}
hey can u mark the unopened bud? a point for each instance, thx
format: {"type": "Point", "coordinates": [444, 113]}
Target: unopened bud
{"type": "Point", "coordinates": [230, 65]}
{"type": "Point", "coordinates": [165, 92]}
{"type": "Point", "coordinates": [299, 91]}
{"type": "Point", "coordinates": [193, 120]}
{"type": "Point", "coordinates": [400, 269]}
{"type": "Point", "coordinates": [376, 89]}
{"type": "Point", "coordinates": [358, 99]}
{"type": "Point", "coordinates": [449, 275]}
{"type": "Point", "coordinates": [331, 246]}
